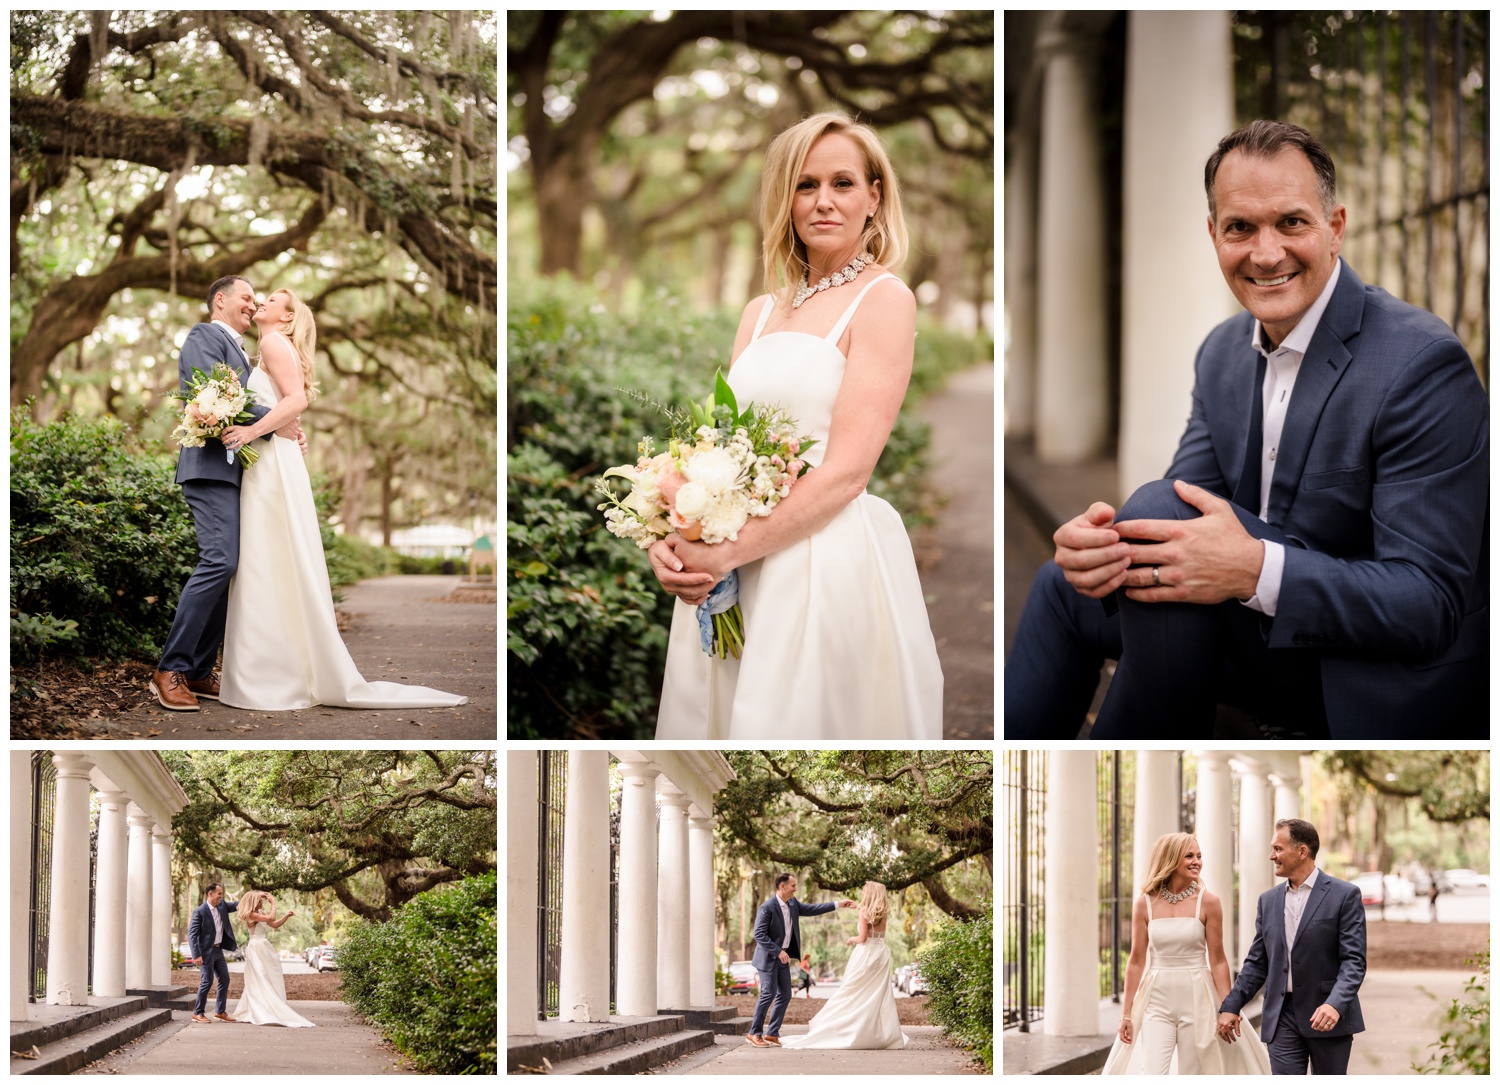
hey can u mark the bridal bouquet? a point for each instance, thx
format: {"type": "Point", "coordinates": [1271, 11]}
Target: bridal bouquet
{"type": "Point", "coordinates": [722, 467]}
{"type": "Point", "coordinates": [213, 402]}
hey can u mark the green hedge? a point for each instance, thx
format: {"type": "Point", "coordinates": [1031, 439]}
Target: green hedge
{"type": "Point", "coordinates": [586, 621]}
{"type": "Point", "coordinates": [958, 963]}
{"type": "Point", "coordinates": [427, 977]}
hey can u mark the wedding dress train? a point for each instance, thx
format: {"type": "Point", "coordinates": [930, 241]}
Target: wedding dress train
{"type": "Point", "coordinates": [837, 641]}
{"type": "Point", "coordinates": [1175, 1016]}
{"type": "Point", "coordinates": [282, 648]}
{"type": "Point", "coordinates": [263, 1001]}
{"type": "Point", "coordinates": [861, 1015]}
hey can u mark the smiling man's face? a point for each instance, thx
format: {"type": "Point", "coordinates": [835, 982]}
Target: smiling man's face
{"type": "Point", "coordinates": [1275, 245]}
{"type": "Point", "coordinates": [237, 306]}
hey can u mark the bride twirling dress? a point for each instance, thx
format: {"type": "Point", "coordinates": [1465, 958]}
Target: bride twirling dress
{"type": "Point", "coordinates": [837, 641]}
{"type": "Point", "coordinates": [1174, 1018]}
{"type": "Point", "coordinates": [282, 648]}
{"type": "Point", "coordinates": [861, 1014]}
{"type": "Point", "coordinates": [263, 1001]}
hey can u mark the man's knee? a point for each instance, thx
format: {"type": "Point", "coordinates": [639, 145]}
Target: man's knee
{"type": "Point", "coordinates": [1156, 500]}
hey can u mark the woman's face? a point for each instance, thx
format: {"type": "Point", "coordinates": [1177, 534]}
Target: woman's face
{"type": "Point", "coordinates": [1191, 863]}
{"type": "Point", "coordinates": [833, 199]}
{"type": "Point", "coordinates": [274, 312]}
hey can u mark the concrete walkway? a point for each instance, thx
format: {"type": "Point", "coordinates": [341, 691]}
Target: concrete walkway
{"type": "Point", "coordinates": [1402, 1011]}
{"type": "Point", "coordinates": [925, 1053]}
{"type": "Point", "coordinates": [956, 556]}
{"type": "Point", "coordinates": [340, 1044]}
{"type": "Point", "coordinates": [401, 629]}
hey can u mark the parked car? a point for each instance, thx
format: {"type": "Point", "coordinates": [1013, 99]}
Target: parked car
{"type": "Point", "coordinates": [743, 979]}
{"type": "Point", "coordinates": [313, 953]}
{"type": "Point", "coordinates": [186, 950]}
{"type": "Point", "coordinates": [915, 984]}
{"type": "Point", "coordinates": [1463, 880]}
{"type": "Point", "coordinates": [1371, 887]}
{"type": "Point", "coordinates": [328, 960]}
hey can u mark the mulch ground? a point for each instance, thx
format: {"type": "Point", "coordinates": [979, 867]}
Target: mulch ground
{"type": "Point", "coordinates": [1423, 945]}
{"type": "Point", "coordinates": [321, 987]}
{"type": "Point", "coordinates": [912, 1011]}
{"type": "Point", "coordinates": [63, 700]}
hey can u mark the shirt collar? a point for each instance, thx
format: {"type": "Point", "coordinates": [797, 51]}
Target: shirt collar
{"type": "Point", "coordinates": [1307, 882]}
{"type": "Point", "coordinates": [1300, 336]}
{"type": "Point", "coordinates": [240, 339]}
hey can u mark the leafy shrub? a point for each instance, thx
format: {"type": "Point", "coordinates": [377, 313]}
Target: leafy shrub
{"type": "Point", "coordinates": [1464, 1046]}
{"type": "Point", "coordinates": [427, 977]}
{"type": "Point", "coordinates": [586, 621]}
{"type": "Point", "coordinates": [409, 565]}
{"type": "Point", "coordinates": [958, 965]}
{"type": "Point", "coordinates": [100, 537]}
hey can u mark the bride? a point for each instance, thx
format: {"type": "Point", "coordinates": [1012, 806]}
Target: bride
{"type": "Point", "coordinates": [837, 643]}
{"type": "Point", "coordinates": [1169, 1023]}
{"type": "Point", "coordinates": [263, 1001]}
{"type": "Point", "coordinates": [862, 1012]}
{"type": "Point", "coordinates": [282, 648]}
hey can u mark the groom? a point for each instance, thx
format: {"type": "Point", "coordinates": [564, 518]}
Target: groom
{"type": "Point", "coordinates": [1309, 953]}
{"type": "Point", "coordinates": [778, 941]}
{"type": "Point", "coordinates": [209, 935]}
{"type": "Point", "coordinates": [210, 484]}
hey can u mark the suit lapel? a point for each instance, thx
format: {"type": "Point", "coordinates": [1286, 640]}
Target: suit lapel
{"type": "Point", "coordinates": [1322, 368]}
{"type": "Point", "coordinates": [1314, 902]}
{"type": "Point", "coordinates": [1246, 399]}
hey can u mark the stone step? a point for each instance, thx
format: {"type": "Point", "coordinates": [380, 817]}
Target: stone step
{"type": "Point", "coordinates": [584, 1040]}
{"type": "Point", "coordinates": [71, 1053]}
{"type": "Point", "coordinates": [161, 995]}
{"type": "Point", "coordinates": [735, 1026]}
{"type": "Point", "coordinates": [702, 1018]}
{"type": "Point", "coordinates": [642, 1055]}
{"type": "Point", "coordinates": [48, 1023]}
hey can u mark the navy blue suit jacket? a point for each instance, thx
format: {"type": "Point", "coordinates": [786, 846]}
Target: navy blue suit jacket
{"type": "Point", "coordinates": [205, 346]}
{"type": "Point", "coordinates": [1328, 959]}
{"type": "Point", "coordinates": [769, 930]}
{"type": "Point", "coordinates": [1381, 483]}
{"type": "Point", "coordinates": [201, 927]}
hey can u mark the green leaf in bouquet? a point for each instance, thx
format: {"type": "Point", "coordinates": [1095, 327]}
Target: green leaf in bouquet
{"type": "Point", "coordinates": [724, 396]}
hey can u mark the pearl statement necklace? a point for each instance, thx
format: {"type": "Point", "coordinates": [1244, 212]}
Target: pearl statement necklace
{"type": "Point", "coordinates": [1174, 898]}
{"type": "Point", "coordinates": [838, 278]}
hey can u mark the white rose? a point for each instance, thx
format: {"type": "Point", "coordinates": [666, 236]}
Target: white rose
{"type": "Point", "coordinates": [725, 518]}
{"type": "Point", "coordinates": [715, 468]}
{"type": "Point", "coordinates": [693, 500]}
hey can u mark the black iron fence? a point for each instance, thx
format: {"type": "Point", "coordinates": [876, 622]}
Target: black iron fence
{"type": "Point", "coordinates": [43, 807]}
{"type": "Point", "coordinates": [552, 777]}
{"type": "Point", "coordinates": [1024, 776]}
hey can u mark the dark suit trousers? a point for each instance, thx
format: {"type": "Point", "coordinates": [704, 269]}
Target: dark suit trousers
{"type": "Point", "coordinates": [198, 629]}
{"type": "Point", "coordinates": [1290, 1051]}
{"type": "Point", "coordinates": [775, 984]}
{"type": "Point", "coordinates": [1177, 660]}
{"type": "Point", "coordinates": [214, 966]}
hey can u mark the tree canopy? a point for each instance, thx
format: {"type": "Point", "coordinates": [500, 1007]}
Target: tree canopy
{"type": "Point", "coordinates": [1451, 785]}
{"type": "Point", "coordinates": [350, 157]}
{"type": "Point", "coordinates": [636, 138]}
{"type": "Point", "coordinates": [901, 817]}
{"type": "Point", "coordinates": [315, 819]}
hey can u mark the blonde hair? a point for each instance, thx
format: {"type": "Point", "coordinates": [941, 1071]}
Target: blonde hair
{"type": "Point", "coordinates": [1166, 857]}
{"type": "Point", "coordinates": [252, 901]}
{"type": "Point", "coordinates": [303, 335]}
{"type": "Point", "coordinates": [782, 251]}
{"type": "Point", "coordinates": [873, 905]}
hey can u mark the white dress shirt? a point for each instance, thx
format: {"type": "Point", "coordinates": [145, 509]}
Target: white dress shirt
{"type": "Point", "coordinates": [786, 923]}
{"type": "Point", "coordinates": [1291, 914]}
{"type": "Point", "coordinates": [1282, 366]}
{"type": "Point", "coordinates": [236, 336]}
{"type": "Point", "coordinates": [218, 925]}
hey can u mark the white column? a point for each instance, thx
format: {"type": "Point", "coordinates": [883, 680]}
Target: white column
{"type": "Point", "coordinates": [1255, 847]}
{"type": "Point", "coordinates": [138, 900]}
{"type": "Point", "coordinates": [1072, 897]}
{"type": "Point", "coordinates": [110, 879]}
{"type": "Point", "coordinates": [583, 982]}
{"type": "Point", "coordinates": [672, 987]}
{"type": "Point", "coordinates": [68, 922]}
{"type": "Point", "coordinates": [1072, 342]}
{"type": "Point", "coordinates": [1178, 65]}
{"type": "Point", "coordinates": [1020, 286]}
{"type": "Point", "coordinates": [161, 907]}
{"type": "Point", "coordinates": [1157, 807]}
{"type": "Point", "coordinates": [701, 913]}
{"type": "Point", "coordinates": [1214, 824]}
{"type": "Point", "coordinates": [520, 893]}
{"type": "Point", "coordinates": [20, 880]}
{"type": "Point", "coordinates": [635, 976]}
{"type": "Point", "coordinates": [1286, 779]}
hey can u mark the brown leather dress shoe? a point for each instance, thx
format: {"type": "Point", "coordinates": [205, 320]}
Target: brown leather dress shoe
{"type": "Point", "coordinates": [755, 1041]}
{"type": "Point", "coordinates": [204, 687]}
{"type": "Point", "coordinates": [222, 1017]}
{"type": "Point", "coordinates": [171, 689]}
{"type": "Point", "coordinates": [199, 1017]}
{"type": "Point", "coordinates": [773, 1041]}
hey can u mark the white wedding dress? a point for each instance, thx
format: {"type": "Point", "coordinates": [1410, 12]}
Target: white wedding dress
{"type": "Point", "coordinates": [1174, 1019]}
{"type": "Point", "coordinates": [837, 643]}
{"type": "Point", "coordinates": [861, 1015]}
{"type": "Point", "coordinates": [282, 648]}
{"type": "Point", "coordinates": [264, 999]}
